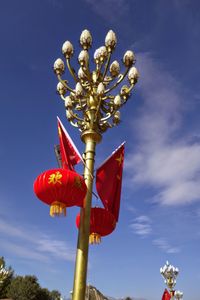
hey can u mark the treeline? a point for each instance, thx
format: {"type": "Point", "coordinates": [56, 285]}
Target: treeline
{"type": "Point", "coordinates": [22, 287]}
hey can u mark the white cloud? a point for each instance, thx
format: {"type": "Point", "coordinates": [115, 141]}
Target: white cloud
{"type": "Point", "coordinates": [56, 248]}
{"type": "Point", "coordinates": [32, 244]}
{"type": "Point", "coordinates": [163, 100]}
{"type": "Point", "coordinates": [141, 229]}
{"type": "Point", "coordinates": [143, 218]}
{"type": "Point", "coordinates": [23, 251]}
{"type": "Point", "coordinates": [141, 226]}
{"type": "Point", "coordinates": [180, 193]}
{"type": "Point", "coordinates": [162, 160]}
{"type": "Point", "coordinates": [14, 231]}
{"type": "Point", "coordinates": [165, 246]}
{"type": "Point", "coordinates": [169, 164]}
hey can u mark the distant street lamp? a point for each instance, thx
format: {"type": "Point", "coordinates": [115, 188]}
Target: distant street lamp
{"type": "Point", "coordinates": [93, 108]}
{"type": "Point", "coordinates": [170, 273]}
{"type": "Point", "coordinates": [178, 295]}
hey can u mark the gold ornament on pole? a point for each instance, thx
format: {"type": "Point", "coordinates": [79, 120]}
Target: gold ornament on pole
{"type": "Point", "coordinates": [92, 108]}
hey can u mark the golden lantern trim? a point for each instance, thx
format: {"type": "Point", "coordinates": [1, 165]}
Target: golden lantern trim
{"type": "Point", "coordinates": [57, 209]}
{"type": "Point", "coordinates": [94, 238]}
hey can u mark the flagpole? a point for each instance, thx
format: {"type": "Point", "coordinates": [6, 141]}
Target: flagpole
{"type": "Point", "coordinates": [93, 109]}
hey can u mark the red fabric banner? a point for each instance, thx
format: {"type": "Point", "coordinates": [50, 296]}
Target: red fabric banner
{"type": "Point", "coordinates": [109, 181]}
{"type": "Point", "coordinates": [69, 154]}
{"type": "Point", "coordinates": [166, 295]}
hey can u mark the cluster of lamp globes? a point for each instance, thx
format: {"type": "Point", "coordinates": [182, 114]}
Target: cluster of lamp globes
{"type": "Point", "coordinates": [93, 89]}
{"type": "Point", "coordinates": [170, 273]}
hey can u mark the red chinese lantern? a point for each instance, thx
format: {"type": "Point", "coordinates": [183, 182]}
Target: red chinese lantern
{"type": "Point", "coordinates": [102, 223]}
{"type": "Point", "coordinates": [60, 188]}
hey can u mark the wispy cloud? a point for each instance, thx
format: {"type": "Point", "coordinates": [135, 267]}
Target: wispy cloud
{"type": "Point", "coordinates": [165, 246]}
{"type": "Point", "coordinates": [143, 219]}
{"type": "Point", "coordinates": [56, 248]}
{"type": "Point", "coordinates": [169, 164]}
{"type": "Point", "coordinates": [141, 229]}
{"type": "Point", "coordinates": [32, 244]}
{"type": "Point", "coordinates": [141, 226]}
{"type": "Point", "coordinates": [130, 208]}
{"type": "Point", "coordinates": [110, 10]}
{"type": "Point", "coordinates": [14, 231]}
{"type": "Point", "coordinates": [23, 251]}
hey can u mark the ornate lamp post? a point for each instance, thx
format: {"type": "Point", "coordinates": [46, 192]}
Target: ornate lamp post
{"type": "Point", "coordinates": [169, 274]}
{"type": "Point", "coordinates": [178, 295]}
{"type": "Point", "coordinates": [92, 107]}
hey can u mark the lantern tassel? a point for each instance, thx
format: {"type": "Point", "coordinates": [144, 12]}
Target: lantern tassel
{"type": "Point", "coordinates": [94, 238]}
{"type": "Point", "coordinates": [57, 209]}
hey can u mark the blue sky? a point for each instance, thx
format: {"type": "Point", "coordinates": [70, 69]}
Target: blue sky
{"type": "Point", "coordinates": [160, 209]}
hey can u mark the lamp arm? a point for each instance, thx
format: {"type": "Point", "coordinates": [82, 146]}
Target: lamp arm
{"type": "Point", "coordinates": [121, 77]}
{"type": "Point", "coordinates": [65, 85]}
{"type": "Point", "coordinates": [71, 70]}
{"type": "Point", "coordinates": [107, 65]}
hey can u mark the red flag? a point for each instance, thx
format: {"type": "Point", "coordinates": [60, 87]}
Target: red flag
{"type": "Point", "coordinates": [69, 154]}
{"type": "Point", "coordinates": [166, 295]}
{"type": "Point", "coordinates": [109, 181]}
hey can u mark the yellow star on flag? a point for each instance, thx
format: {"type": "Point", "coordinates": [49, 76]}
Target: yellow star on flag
{"type": "Point", "coordinates": [120, 159]}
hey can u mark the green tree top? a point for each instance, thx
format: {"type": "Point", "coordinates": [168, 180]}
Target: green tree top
{"type": "Point", "coordinates": [27, 287]}
{"type": "Point", "coordinates": [22, 287]}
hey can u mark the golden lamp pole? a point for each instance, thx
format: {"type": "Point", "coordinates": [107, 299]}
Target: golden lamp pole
{"type": "Point", "coordinates": [92, 108]}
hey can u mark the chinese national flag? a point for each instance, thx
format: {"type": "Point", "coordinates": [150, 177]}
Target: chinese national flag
{"type": "Point", "coordinates": [166, 295]}
{"type": "Point", "coordinates": [69, 153]}
{"type": "Point", "coordinates": [109, 181]}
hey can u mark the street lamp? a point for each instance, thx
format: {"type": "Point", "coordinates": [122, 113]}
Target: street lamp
{"type": "Point", "coordinates": [92, 107]}
{"type": "Point", "coordinates": [169, 274]}
{"type": "Point", "coordinates": [178, 295]}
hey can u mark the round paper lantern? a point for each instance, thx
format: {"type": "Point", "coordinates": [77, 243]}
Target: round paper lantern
{"type": "Point", "coordinates": [60, 188]}
{"type": "Point", "coordinates": [102, 223]}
